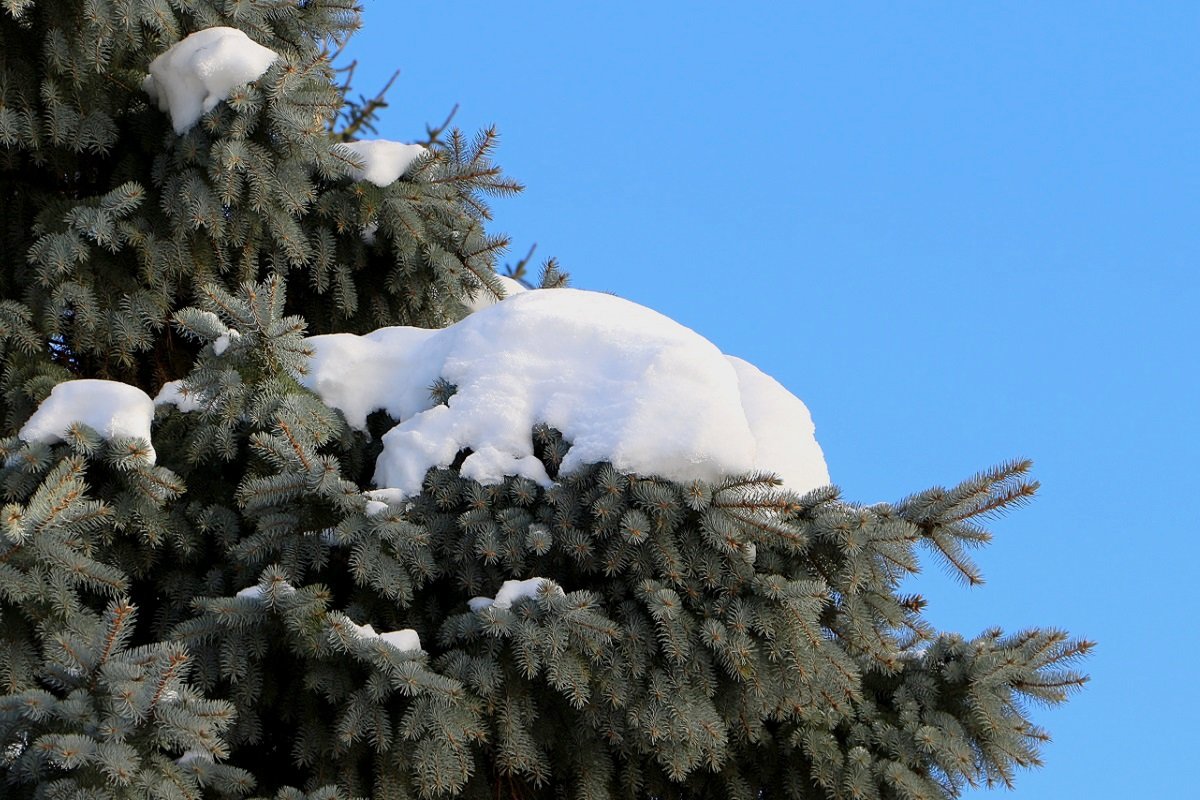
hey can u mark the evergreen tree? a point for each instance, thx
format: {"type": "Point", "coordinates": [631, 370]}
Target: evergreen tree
{"type": "Point", "coordinates": [192, 611]}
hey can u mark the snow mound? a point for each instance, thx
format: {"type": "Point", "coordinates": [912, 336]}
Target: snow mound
{"type": "Point", "coordinates": [484, 298]}
{"type": "Point", "coordinates": [384, 161]}
{"type": "Point", "coordinates": [114, 410]}
{"type": "Point", "coordinates": [510, 592]}
{"type": "Point", "coordinates": [622, 383]}
{"type": "Point", "coordinates": [202, 70]}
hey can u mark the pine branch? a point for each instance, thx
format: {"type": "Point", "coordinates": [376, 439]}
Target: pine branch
{"type": "Point", "coordinates": [123, 613]}
{"type": "Point", "coordinates": [363, 113]}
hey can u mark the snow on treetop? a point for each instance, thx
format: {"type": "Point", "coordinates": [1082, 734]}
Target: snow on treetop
{"type": "Point", "coordinates": [384, 161]}
{"type": "Point", "coordinates": [112, 409]}
{"type": "Point", "coordinates": [622, 383]}
{"type": "Point", "coordinates": [195, 74]}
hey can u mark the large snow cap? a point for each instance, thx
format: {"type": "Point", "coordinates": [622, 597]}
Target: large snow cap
{"type": "Point", "coordinates": [202, 70]}
{"type": "Point", "coordinates": [115, 410]}
{"type": "Point", "coordinates": [621, 382]}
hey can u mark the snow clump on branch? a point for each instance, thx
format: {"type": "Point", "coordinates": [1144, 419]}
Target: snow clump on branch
{"type": "Point", "coordinates": [173, 393]}
{"type": "Point", "coordinates": [195, 74]}
{"type": "Point", "coordinates": [406, 640]}
{"type": "Point", "coordinates": [622, 383]}
{"type": "Point", "coordinates": [512, 591]}
{"type": "Point", "coordinates": [383, 161]}
{"type": "Point", "coordinates": [114, 410]}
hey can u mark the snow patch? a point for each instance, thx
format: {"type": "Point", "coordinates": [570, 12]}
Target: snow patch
{"type": "Point", "coordinates": [622, 383]}
{"type": "Point", "coordinates": [256, 592]}
{"type": "Point", "coordinates": [480, 603]}
{"type": "Point", "coordinates": [384, 161]}
{"type": "Point", "coordinates": [173, 393]}
{"type": "Point", "coordinates": [195, 74]}
{"type": "Point", "coordinates": [403, 640]}
{"type": "Point", "coordinates": [512, 591]}
{"type": "Point", "coordinates": [363, 631]}
{"type": "Point", "coordinates": [380, 500]}
{"type": "Point", "coordinates": [392, 496]}
{"type": "Point", "coordinates": [114, 410]}
{"type": "Point", "coordinates": [224, 340]}
{"type": "Point", "coordinates": [490, 465]}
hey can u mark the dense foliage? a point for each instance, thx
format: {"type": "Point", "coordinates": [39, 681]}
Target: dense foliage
{"type": "Point", "coordinates": [723, 639]}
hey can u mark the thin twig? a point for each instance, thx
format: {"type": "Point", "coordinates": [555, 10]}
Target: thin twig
{"type": "Point", "coordinates": [433, 135]}
{"type": "Point", "coordinates": [517, 272]}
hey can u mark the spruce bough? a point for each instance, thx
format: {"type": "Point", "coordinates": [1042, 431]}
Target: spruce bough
{"type": "Point", "coordinates": [233, 614]}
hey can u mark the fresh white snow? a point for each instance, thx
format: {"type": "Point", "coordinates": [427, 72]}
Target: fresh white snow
{"type": "Point", "coordinates": [784, 434]}
{"type": "Point", "coordinates": [384, 161]}
{"type": "Point", "coordinates": [623, 384]}
{"type": "Point", "coordinates": [222, 342]}
{"type": "Point", "coordinates": [363, 631]}
{"type": "Point", "coordinates": [256, 592]}
{"type": "Point", "coordinates": [195, 74]}
{"type": "Point", "coordinates": [172, 393]}
{"type": "Point", "coordinates": [385, 496]}
{"type": "Point", "coordinates": [403, 640]}
{"type": "Point", "coordinates": [510, 592]}
{"type": "Point", "coordinates": [112, 409]}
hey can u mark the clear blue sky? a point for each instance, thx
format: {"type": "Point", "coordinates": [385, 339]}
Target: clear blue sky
{"type": "Point", "coordinates": [960, 232]}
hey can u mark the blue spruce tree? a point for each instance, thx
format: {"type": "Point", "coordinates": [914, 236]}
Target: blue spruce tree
{"type": "Point", "coordinates": [206, 589]}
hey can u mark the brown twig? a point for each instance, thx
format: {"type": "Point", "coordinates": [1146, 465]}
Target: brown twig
{"type": "Point", "coordinates": [433, 135]}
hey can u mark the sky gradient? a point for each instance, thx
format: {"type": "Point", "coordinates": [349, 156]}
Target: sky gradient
{"type": "Point", "coordinates": [960, 233]}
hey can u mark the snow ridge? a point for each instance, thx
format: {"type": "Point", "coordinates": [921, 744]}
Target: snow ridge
{"type": "Point", "coordinates": [622, 383]}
